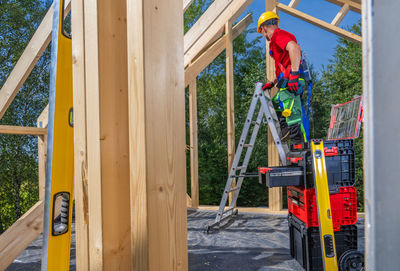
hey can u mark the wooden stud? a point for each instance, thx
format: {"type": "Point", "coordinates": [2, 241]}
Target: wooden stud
{"type": "Point", "coordinates": [42, 151]}
{"type": "Point", "coordinates": [230, 101]}
{"type": "Point", "coordinates": [17, 130]}
{"type": "Point", "coordinates": [21, 234]}
{"type": "Point", "coordinates": [186, 4]}
{"type": "Point", "coordinates": [339, 17]}
{"type": "Point", "coordinates": [235, 8]}
{"type": "Point", "coordinates": [157, 135]}
{"type": "Point", "coordinates": [33, 51]}
{"type": "Point", "coordinates": [294, 3]}
{"type": "Point", "coordinates": [324, 25]}
{"type": "Point", "coordinates": [213, 51]}
{"type": "Point", "coordinates": [274, 194]}
{"type": "Point", "coordinates": [194, 151]}
{"type": "Point", "coordinates": [91, 43]}
{"type": "Point", "coordinates": [80, 151]}
{"type": "Point", "coordinates": [355, 5]}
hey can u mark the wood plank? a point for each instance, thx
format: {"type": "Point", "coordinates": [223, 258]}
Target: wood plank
{"type": "Point", "coordinates": [93, 132]}
{"type": "Point", "coordinates": [204, 23]}
{"type": "Point", "coordinates": [21, 234]}
{"type": "Point", "coordinates": [355, 5]}
{"type": "Point", "coordinates": [80, 144]}
{"type": "Point", "coordinates": [274, 194]}
{"type": "Point", "coordinates": [232, 10]}
{"type": "Point", "coordinates": [317, 22]}
{"type": "Point", "coordinates": [230, 101]}
{"type": "Point", "coordinates": [33, 51]}
{"type": "Point", "coordinates": [211, 53]}
{"type": "Point", "coordinates": [186, 4]}
{"type": "Point", "coordinates": [42, 151]}
{"type": "Point", "coordinates": [194, 151]}
{"type": "Point", "coordinates": [157, 159]}
{"type": "Point", "coordinates": [114, 134]}
{"type": "Point", "coordinates": [339, 17]}
{"type": "Point", "coordinates": [294, 3]}
{"type": "Point", "coordinates": [18, 130]}
{"type": "Point", "coordinates": [188, 201]}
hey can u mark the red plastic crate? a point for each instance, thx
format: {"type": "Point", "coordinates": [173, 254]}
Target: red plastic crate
{"type": "Point", "coordinates": [302, 203]}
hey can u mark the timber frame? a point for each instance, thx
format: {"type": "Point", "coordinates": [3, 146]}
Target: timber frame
{"type": "Point", "coordinates": [111, 140]}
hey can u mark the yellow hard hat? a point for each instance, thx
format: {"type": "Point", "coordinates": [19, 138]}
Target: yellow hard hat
{"type": "Point", "coordinates": [265, 17]}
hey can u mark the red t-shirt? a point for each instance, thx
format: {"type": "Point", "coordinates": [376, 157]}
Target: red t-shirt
{"type": "Point", "coordinates": [277, 46]}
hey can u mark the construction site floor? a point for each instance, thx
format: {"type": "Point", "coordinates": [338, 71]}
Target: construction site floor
{"type": "Point", "coordinates": [250, 242]}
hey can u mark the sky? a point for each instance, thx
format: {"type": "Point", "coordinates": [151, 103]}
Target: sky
{"type": "Point", "coordinates": [318, 44]}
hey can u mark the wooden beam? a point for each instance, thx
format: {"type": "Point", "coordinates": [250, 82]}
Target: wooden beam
{"type": "Point", "coordinates": [230, 101]}
{"type": "Point", "coordinates": [42, 151]}
{"type": "Point", "coordinates": [186, 4]}
{"type": "Point", "coordinates": [233, 9]}
{"type": "Point", "coordinates": [213, 51]}
{"type": "Point", "coordinates": [21, 234]}
{"type": "Point", "coordinates": [33, 51]}
{"type": "Point", "coordinates": [106, 80]}
{"type": "Point", "coordinates": [339, 17]}
{"type": "Point", "coordinates": [157, 135]}
{"type": "Point", "coordinates": [80, 140]}
{"type": "Point", "coordinates": [294, 3]}
{"type": "Point", "coordinates": [17, 130]}
{"type": "Point", "coordinates": [355, 5]}
{"type": "Point", "coordinates": [194, 151]}
{"type": "Point", "coordinates": [324, 25]}
{"type": "Point", "coordinates": [188, 201]}
{"type": "Point", "coordinates": [204, 22]}
{"type": "Point", "coordinates": [274, 194]}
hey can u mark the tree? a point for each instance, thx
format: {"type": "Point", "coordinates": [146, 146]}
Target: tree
{"type": "Point", "coordinates": [341, 80]}
{"type": "Point", "coordinates": [18, 154]}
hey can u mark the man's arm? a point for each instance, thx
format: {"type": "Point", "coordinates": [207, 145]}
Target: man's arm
{"type": "Point", "coordinates": [295, 55]}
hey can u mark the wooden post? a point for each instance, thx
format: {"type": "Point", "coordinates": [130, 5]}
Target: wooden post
{"type": "Point", "coordinates": [100, 60]}
{"type": "Point", "coordinates": [42, 152]}
{"type": "Point", "coordinates": [157, 135]}
{"type": "Point", "coordinates": [274, 194]}
{"type": "Point", "coordinates": [80, 144]}
{"type": "Point", "coordinates": [230, 101]}
{"type": "Point", "coordinates": [194, 151]}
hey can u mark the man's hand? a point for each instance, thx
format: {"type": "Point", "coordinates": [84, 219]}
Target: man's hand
{"type": "Point", "coordinates": [268, 85]}
{"type": "Point", "coordinates": [293, 84]}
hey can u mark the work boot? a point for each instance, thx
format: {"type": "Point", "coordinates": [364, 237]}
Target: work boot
{"type": "Point", "coordinates": [284, 131]}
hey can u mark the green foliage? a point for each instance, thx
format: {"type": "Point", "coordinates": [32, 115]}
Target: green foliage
{"type": "Point", "coordinates": [341, 80]}
{"type": "Point", "coordinates": [18, 154]}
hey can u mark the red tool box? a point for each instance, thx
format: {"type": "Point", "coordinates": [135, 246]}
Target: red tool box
{"type": "Point", "coordinates": [302, 204]}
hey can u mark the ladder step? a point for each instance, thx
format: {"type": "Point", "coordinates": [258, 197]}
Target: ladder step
{"type": "Point", "coordinates": [240, 167]}
{"type": "Point", "coordinates": [248, 145]}
{"type": "Point", "coordinates": [255, 122]}
{"type": "Point", "coordinates": [227, 210]}
{"type": "Point", "coordinates": [234, 189]}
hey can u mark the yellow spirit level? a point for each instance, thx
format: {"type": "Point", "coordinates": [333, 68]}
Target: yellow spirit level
{"type": "Point", "coordinates": [327, 236]}
{"type": "Point", "coordinates": [60, 150]}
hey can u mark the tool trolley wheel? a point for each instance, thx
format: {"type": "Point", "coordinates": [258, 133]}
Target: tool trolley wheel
{"type": "Point", "coordinates": [351, 260]}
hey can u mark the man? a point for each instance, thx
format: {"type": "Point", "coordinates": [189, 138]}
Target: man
{"type": "Point", "coordinates": [283, 48]}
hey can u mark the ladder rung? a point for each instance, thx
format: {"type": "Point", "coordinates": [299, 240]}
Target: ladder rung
{"type": "Point", "coordinates": [234, 189]}
{"type": "Point", "coordinates": [255, 122]}
{"type": "Point", "coordinates": [248, 145]}
{"type": "Point", "coordinates": [240, 167]}
{"type": "Point", "coordinates": [227, 210]}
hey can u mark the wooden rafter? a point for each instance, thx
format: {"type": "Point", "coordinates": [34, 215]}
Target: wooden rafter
{"type": "Point", "coordinates": [320, 23]}
{"type": "Point", "coordinates": [234, 9]}
{"type": "Point", "coordinates": [186, 4]}
{"type": "Point", "coordinates": [213, 51]}
{"type": "Point", "coordinates": [294, 3]}
{"type": "Point", "coordinates": [355, 5]}
{"type": "Point", "coordinates": [339, 17]}
{"type": "Point", "coordinates": [28, 59]}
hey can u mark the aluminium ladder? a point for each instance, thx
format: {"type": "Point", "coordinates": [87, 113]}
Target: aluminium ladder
{"type": "Point", "coordinates": [267, 111]}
